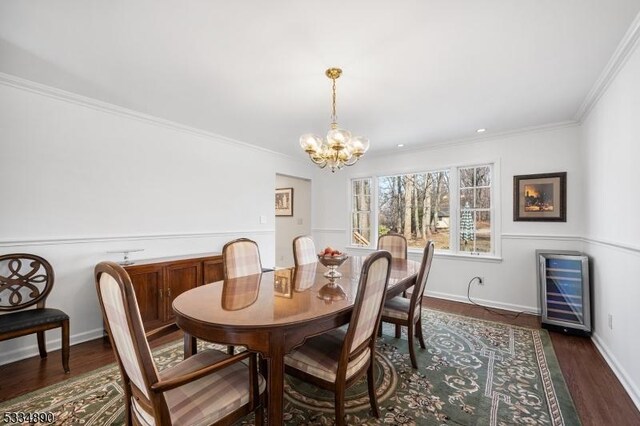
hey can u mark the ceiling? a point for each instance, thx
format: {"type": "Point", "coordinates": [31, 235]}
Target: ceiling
{"type": "Point", "coordinates": [415, 72]}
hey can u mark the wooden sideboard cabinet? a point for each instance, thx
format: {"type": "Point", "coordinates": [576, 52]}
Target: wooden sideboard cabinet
{"type": "Point", "coordinates": [158, 281]}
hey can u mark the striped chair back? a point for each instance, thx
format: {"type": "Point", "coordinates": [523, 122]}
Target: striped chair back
{"type": "Point", "coordinates": [124, 324]}
{"type": "Point", "coordinates": [304, 250]}
{"type": "Point", "coordinates": [240, 258]}
{"type": "Point", "coordinates": [367, 309]}
{"type": "Point", "coordinates": [395, 244]}
{"type": "Point", "coordinates": [423, 274]}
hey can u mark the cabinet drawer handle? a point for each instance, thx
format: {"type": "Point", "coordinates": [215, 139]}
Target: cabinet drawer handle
{"type": "Point", "coordinates": [169, 293]}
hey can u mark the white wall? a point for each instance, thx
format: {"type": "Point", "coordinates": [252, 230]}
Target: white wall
{"type": "Point", "coordinates": [289, 227]}
{"type": "Point", "coordinates": [80, 178]}
{"type": "Point", "coordinates": [510, 282]}
{"type": "Point", "coordinates": [611, 146]}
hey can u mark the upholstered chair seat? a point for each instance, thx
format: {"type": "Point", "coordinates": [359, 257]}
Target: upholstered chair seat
{"type": "Point", "coordinates": [397, 307]}
{"type": "Point", "coordinates": [229, 391]}
{"type": "Point", "coordinates": [320, 356]}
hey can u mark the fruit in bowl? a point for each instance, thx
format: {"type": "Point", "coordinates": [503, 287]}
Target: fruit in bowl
{"type": "Point", "coordinates": [330, 251]}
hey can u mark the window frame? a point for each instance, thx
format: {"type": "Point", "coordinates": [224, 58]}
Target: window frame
{"type": "Point", "coordinates": [454, 209]}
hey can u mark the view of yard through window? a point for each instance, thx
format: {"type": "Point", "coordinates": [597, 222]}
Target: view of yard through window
{"type": "Point", "coordinates": [416, 206]}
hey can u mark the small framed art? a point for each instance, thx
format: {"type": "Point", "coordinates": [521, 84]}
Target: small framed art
{"type": "Point", "coordinates": [284, 202]}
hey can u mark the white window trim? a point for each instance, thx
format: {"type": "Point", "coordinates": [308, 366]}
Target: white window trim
{"type": "Point", "coordinates": [454, 208]}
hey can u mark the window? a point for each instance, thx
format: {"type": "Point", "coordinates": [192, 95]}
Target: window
{"type": "Point", "coordinates": [361, 212]}
{"type": "Point", "coordinates": [416, 206]}
{"type": "Point", "coordinates": [453, 207]}
{"type": "Point", "coordinates": [475, 209]}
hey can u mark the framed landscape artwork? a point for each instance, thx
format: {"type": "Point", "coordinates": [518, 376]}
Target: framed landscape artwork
{"type": "Point", "coordinates": [284, 202]}
{"type": "Point", "coordinates": [540, 197]}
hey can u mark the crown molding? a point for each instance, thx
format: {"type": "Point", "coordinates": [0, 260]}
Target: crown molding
{"type": "Point", "coordinates": [74, 98]}
{"type": "Point", "coordinates": [477, 139]}
{"type": "Point", "coordinates": [620, 56]}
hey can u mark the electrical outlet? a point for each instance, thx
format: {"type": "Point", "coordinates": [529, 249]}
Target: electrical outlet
{"type": "Point", "coordinates": [610, 322]}
{"type": "Point", "coordinates": [480, 280]}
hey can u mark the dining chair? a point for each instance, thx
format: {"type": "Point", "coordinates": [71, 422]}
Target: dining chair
{"type": "Point", "coordinates": [207, 388]}
{"type": "Point", "coordinates": [337, 359]}
{"type": "Point", "coordinates": [396, 244]}
{"type": "Point", "coordinates": [408, 312]}
{"type": "Point", "coordinates": [26, 280]}
{"type": "Point", "coordinates": [304, 250]}
{"type": "Point", "coordinates": [240, 258]}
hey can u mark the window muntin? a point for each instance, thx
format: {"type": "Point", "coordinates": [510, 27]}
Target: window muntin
{"type": "Point", "coordinates": [417, 206]}
{"type": "Point", "coordinates": [361, 217]}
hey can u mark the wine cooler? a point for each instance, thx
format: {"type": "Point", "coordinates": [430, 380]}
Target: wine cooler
{"type": "Point", "coordinates": [564, 291]}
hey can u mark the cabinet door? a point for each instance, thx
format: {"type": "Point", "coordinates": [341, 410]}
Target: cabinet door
{"type": "Point", "coordinates": [213, 270]}
{"type": "Point", "coordinates": [180, 278]}
{"type": "Point", "coordinates": [148, 285]}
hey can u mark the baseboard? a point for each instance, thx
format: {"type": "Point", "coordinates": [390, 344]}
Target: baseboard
{"type": "Point", "coordinates": [52, 345]}
{"type": "Point", "coordinates": [621, 374]}
{"type": "Point", "coordinates": [533, 310]}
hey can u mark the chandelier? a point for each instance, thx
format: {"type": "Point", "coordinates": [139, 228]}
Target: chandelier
{"type": "Point", "coordinates": [340, 148]}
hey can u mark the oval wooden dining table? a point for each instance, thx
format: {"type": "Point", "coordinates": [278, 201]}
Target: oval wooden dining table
{"type": "Point", "coordinates": [273, 312]}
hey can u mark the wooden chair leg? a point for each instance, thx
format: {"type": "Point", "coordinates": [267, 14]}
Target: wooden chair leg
{"type": "Point", "coordinates": [339, 401]}
{"type": "Point", "coordinates": [380, 330]}
{"type": "Point", "coordinates": [42, 347]}
{"type": "Point", "coordinates": [65, 345]}
{"type": "Point", "coordinates": [419, 334]}
{"type": "Point", "coordinates": [412, 349]}
{"type": "Point", "coordinates": [398, 331]}
{"type": "Point", "coordinates": [260, 416]}
{"type": "Point", "coordinates": [372, 391]}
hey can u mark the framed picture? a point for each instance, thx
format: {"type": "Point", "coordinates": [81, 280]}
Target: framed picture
{"type": "Point", "coordinates": [540, 198]}
{"type": "Point", "coordinates": [282, 282]}
{"type": "Point", "coordinates": [284, 202]}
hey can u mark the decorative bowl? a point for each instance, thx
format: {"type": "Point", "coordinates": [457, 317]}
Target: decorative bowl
{"type": "Point", "coordinates": [332, 262]}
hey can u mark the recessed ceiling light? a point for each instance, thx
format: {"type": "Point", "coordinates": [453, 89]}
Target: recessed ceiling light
{"type": "Point", "coordinates": [400, 145]}
{"type": "Point", "coordinates": [481, 130]}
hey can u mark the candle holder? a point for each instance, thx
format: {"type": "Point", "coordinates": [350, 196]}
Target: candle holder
{"type": "Point", "coordinates": [125, 253]}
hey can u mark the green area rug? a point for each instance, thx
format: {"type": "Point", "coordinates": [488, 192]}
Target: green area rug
{"type": "Point", "coordinates": [473, 372]}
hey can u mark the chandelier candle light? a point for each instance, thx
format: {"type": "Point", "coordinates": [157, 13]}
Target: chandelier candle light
{"type": "Point", "coordinates": [340, 148]}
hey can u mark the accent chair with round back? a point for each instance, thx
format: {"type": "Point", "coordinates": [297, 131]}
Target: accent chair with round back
{"type": "Point", "coordinates": [408, 312]}
{"type": "Point", "coordinates": [27, 280]}
{"type": "Point", "coordinates": [207, 388]}
{"type": "Point", "coordinates": [339, 358]}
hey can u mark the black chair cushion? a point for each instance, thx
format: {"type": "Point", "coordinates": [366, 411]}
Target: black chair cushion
{"type": "Point", "coordinates": [30, 318]}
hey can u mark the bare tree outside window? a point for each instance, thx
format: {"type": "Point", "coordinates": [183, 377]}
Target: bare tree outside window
{"type": "Point", "coordinates": [361, 212]}
{"type": "Point", "coordinates": [417, 206]}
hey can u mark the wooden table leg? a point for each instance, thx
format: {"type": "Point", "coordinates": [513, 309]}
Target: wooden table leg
{"type": "Point", "coordinates": [275, 408]}
{"type": "Point", "coordinates": [190, 345]}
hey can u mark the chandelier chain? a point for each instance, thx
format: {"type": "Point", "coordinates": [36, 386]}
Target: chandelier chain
{"type": "Point", "coordinates": [334, 116]}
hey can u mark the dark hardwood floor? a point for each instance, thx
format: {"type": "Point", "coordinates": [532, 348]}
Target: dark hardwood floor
{"type": "Point", "coordinates": [598, 395]}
